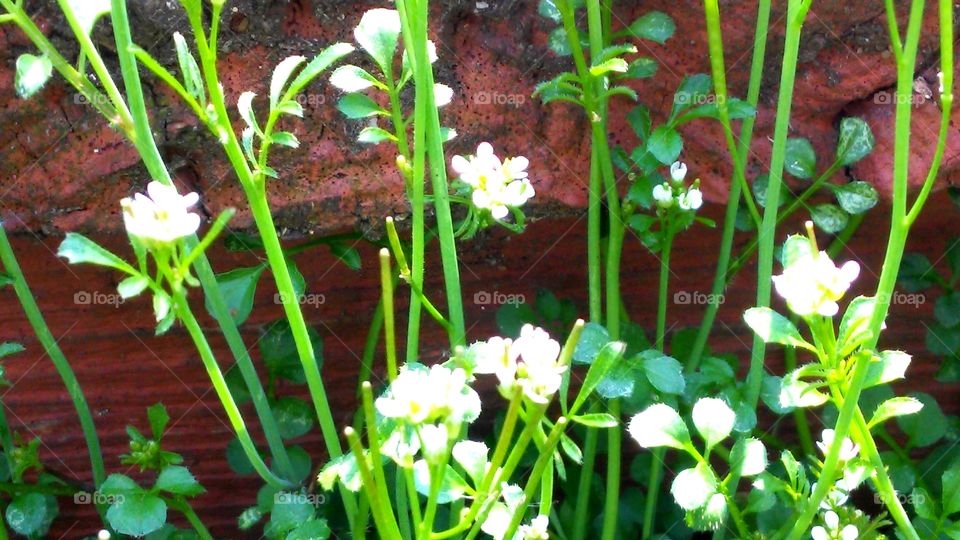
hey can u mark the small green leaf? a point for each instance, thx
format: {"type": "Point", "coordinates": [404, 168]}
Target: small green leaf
{"type": "Point", "coordinates": [30, 514]}
{"type": "Point", "coordinates": [179, 481]}
{"type": "Point", "coordinates": [158, 418]}
{"type": "Point", "coordinates": [245, 108]}
{"type": "Point", "coordinates": [248, 518]}
{"type": "Point", "coordinates": [642, 68]}
{"type": "Point", "coordinates": [639, 120]}
{"type": "Point", "coordinates": [916, 272]}
{"type": "Point", "coordinates": [315, 529]}
{"type": "Point", "coordinates": [137, 513]}
{"type": "Point", "coordinates": [77, 249]}
{"type": "Point", "coordinates": [774, 328]}
{"type": "Point", "coordinates": [760, 187]}
{"type": "Point", "coordinates": [800, 160]}
{"type": "Point", "coordinates": [665, 144]}
{"type": "Point", "coordinates": [596, 420]}
{"type": "Point", "coordinates": [714, 420]}
{"type": "Point", "coordinates": [748, 457]}
{"type": "Point", "coordinates": [452, 487]}
{"type": "Point", "coordinates": [377, 34]}
{"type": "Point", "coordinates": [295, 417]}
{"type": "Point", "coordinates": [693, 91]}
{"type": "Point", "coordinates": [829, 218]}
{"type": "Point", "coordinates": [692, 488]}
{"type": "Point", "coordinates": [472, 456]}
{"type": "Point", "coordinates": [189, 70]}
{"type": "Point", "coordinates": [238, 287]}
{"type": "Point", "coordinates": [32, 74]}
{"type": "Point", "coordinates": [796, 392]}
{"type": "Point", "coordinates": [951, 489]}
{"type": "Point", "coordinates": [548, 9]}
{"type": "Point", "coordinates": [926, 427]}
{"type": "Point", "coordinates": [592, 339]}
{"type": "Point", "coordinates": [888, 367]}
{"type": "Point", "coordinates": [237, 459]}
{"type": "Point", "coordinates": [375, 135]}
{"type": "Point", "coordinates": [348, 255]}
{"type": "Point", "coordinates": [132, 286]}
{"type": "Point", "coordinates": [659, 425]}
{"type": "Point", "coordinates": [322, 61]}
{"type": "Point", "coordinates": [664, 373]}
{"type": "Point", "coordinates": [281, 74]}
{"type": "Point", "coordinates": [350, 78]}
{"type": "Point", "coordinates": [894, 407]}
{"type": "Point", "coordinates": [609, 355]}
{"type": "Point", "coordinates": [8, 347]}
{"type": "Point", "coordinates": [857, 197]}
{"type": "Point", "coordinates": [855, 325]}
{"type": "Point", "coordinates": [288, 512]}
{"type": "Point", "coordinates": [356, 105]}
{"type": "Point", "coordinates": [285, 138]}
{"type": "Point", "coordinates": [654, 26]}
{"type": "Point", "coordinates": [616, 65]}
{"type": "Point", "coordinates": [279, 351]}
{"type": "Point", "coordinates": [947, 309]}
{"type": "Point", "coordinates": [855, 142]}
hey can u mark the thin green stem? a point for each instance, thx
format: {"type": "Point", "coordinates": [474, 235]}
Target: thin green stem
{"type": "Point", "coordinates": [389, 332]}
{"type": "Point", "coordinates": [533, 481]}
{"type": "Point", "coordinates": [182, 506]}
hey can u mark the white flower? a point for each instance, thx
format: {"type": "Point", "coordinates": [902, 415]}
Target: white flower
{"type": "Point", "coordinates": [813, 284]}
{"type": "Point", "coordinates": [103, 535]}
{"type": "Point", "coordinates": [434, 442]}
{"type": "Point", "coordinates": [848, 450]}
{"type": "Point", "coordinates": [832, 530]}
{"type": "Point", "coordinates": [692, 199]}
{"type": "Point", "coordinates": [442, 94]}
{"type": "Point", "coordinates": [162, 215]}
{"type": "Point", "coordinates": [678, 171]}
{"type": "Point", "coordinates": [419, 396]}
{"type": "Point", "coordinates": [663, 195]}
{"type": "Point", "coordinates": [537, 369]}
{"type": "Point", "coordinates": [497, 186]}
{"type": "Point", "coordinates": [537, 529]}
{"type": "Point", "coordinates": [493, 357]}
{"type": "Point", "coordinates": [502, 512]}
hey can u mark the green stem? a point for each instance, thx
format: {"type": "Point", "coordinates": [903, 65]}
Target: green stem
{"type": "Point", "coordinates": [593, 241]}
{"type": "Point", "coordinates": [223, 392]}
{"type": "Point", "coordinates": [581, 517]}
{"type": "Point", "coordinates": [52, 348]}
{"type": "Point", "coordinates": [150, 154]}
{"type": "Point", "coordinates": [184, 508]}
{"type": "Point", "coordinates": [530, 490]}
{"type": "Point", "coordinates": [733, 202]}
{"type": "Point", "coordinates": [389, 332]}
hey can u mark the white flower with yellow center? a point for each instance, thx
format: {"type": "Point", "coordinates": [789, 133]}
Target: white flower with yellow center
{"type": "Point", "coordinates": [162, 215]}
{"type": "Point", "coordinates": [848, 449]}
{"type": "Point", "coordinates": [419, 396]}
{"type": "Point", "coordinates": [497, 186]}
{"type": "Point", "coordinates": [538, 371]}
{"type": "Point", "coordinates": [813, 284]}
{"type": "Point", "coordinates": [493, 357]}
{"type": "Point", "coordinates": [832, 531]}
{"type": "Point", "coordinates": [536, 529]}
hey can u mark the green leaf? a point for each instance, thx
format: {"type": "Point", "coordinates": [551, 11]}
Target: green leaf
{"type": "Point", "coordinates": [736, 109]}
{"type": "Point", "coordinates": [800, 160]}
{"type": "Point", "coordinates": [377, 34]}
{"type": "Point", "coordinates": [248, 518]}
{"type": "Point", "coordinates": [295, 417]}
{"type": "Point", "coordinates": [947, 309]}
{"type": "Point", "coordinates": [285, 138]}
{"type": "Point", "coordinates": [315, 529]}
{"type": "Point", "coordinates": [137, 513]}
{"type": "Point", "coordinates": [132, 286]}
{"type": "Point", "coordinates": [888, 367]}
{"type": "Point", "coordinates": [593, 338]}
{"type": "Point", "coordinates": [829, 218]}
{"type": "Point", "coordinates": [692, 488]}
{"type": "Point", "coordinates": [288, 512]}
{"type": "Point", "coordinates": [774, 328]}
{"type": "Point", "coordinates": [77, 249]}
{"type": "Point", "coordinates": [279, 351]}
{"type": "Point", "coordinates": [916, 272]}
{"type": "Point", "coordinates": [301, 462]}
{"type": "Point", "coordinates": [32, 74]}
{"type": "Point", "coordinates": [238, 287]}
{"type": "Point", "coordinates": [760, 187]}
{"type": "Point", "coordinates": [375, 135]}
{"type": "Point", "coordinates": [855, 142]}
{"type": "Point", "coordinates": [926, 427]}
{"type": "Point", "coordinates": [693, 91]}
{"type": "Point", "coordinates": [548, 9]}
{"type": "Point", "coordinates": [616, 65]}
{"type": "Point", "coordinates": [321, 62]}
{"type": "Point", "coordinates": [610, 354]}
{"type": "Point", "coordinates": [350, 78]}
{"type": "Point", "coordinates": [452, 486]}
{"type": "Point", "coordinates": [659, 425]}
{"type": "Point", "coordinates": [179, 481]}
{"type": "Point", "coordinates": [30, 514]}
{"type": "Point", "coordinates": [245, 108]}
{"type": "Point", "coordinates": [796, 392]}
{"type": "Point", "coordinates": [642, 68]}
{"type": "Point", "coordinates": [639, 120]}
{"type": "Point", "coordinates": [894, 407]}
{"type": "Point", "coordinates": [281, 74]}
{"type": "Point", "coordinates": [189, 70]}
{"type": "Point", "coordinates": [237, 458]}
{"type": "Point", "coordinates": [951, 489]}
{"type": "Point", "coordinates": [665, 144]}
{"type": "Point", "coordinates": [356, 105]}
{"type": "Point", "coordinates": [8, 347]}
{"type": "Point", "coordinates": [924, 504]}
{"type": "Point", "coordinates": [855, 325]}
{"type": "Point", "coordinates": [158, 418]}
{"type": "Point", "coordinates": [348, 255]}
{"type": "Point", "coordinates": [472, 456]}
{"type": "Point", "coordinates": [748, 457]}
{"type": "Point", "coordinates": [88, 11]}
{"type": "Point", "coordinates": [795, 248]}
{"type": "Point", "coordinates": [714, 420]}
{"type": "Point", "coordinates": [596, 420]}
{"type": "Point", "coordinates": [654, 26]}
{"type": "Point", "coordinates": [664, 373]}
{"type": "Point", "coordinates": [857, 197]}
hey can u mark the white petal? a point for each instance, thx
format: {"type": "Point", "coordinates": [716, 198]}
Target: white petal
{"type": "Point", "coordinates": [442, 94]}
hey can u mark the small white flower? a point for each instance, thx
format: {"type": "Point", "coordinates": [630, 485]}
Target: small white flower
{"type": "Point", "coordinates": [663, 195]}
{"type": "Point", "coordinates": [419, 396]}
{"type": "Point", "coordinates": [848, 450]}
{"type": "Point", "coordinates": [442, 94]}
{"type": "Point", "coordinates": [162, 215]}
{"type": "Point", "coordinates": [832, 530]}
{"type": "Point", "coordinates": [537, 529]}
{"type": "Point", "coordinates": [103, 535]}
{"type": "Point", "coordinates": [497, 186]}
{"type": "Point", "coordinates": [502, 512]}
{"type": "Point", "coordinates": [692, 199]}
{"type": "Point", "coordinates": [813, 284]}
{"type": "Point", "coordinates": [678, 171]}
{"type": "Point", "coordinates": [537, 369]}
{"type": "Point", "coordinates": [434, 442]}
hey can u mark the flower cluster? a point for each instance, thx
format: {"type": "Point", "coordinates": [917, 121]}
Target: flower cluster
{"type": "Point", "coordinates": [812, 284]}
{"type": "Point", "coordinates": [421, 396]}
{"type": "Point", "coordinates": [162, 216]}
{"type": "Point", "coordinates": [530, 362]}
{"type": "Point", "coordinates": [832, 531]}
{"type": "Point", "coordinates": [496, 186]}
{"type": "Point", "coordinates": [688, 199]}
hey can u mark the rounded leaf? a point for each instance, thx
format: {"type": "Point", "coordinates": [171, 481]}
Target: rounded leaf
{"type": "Point", "coordinates": [714, 420]}
{"type": "Point", "coordinates": [659, 425]}
{"type": "Point", "coordinates": [692, 488]}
